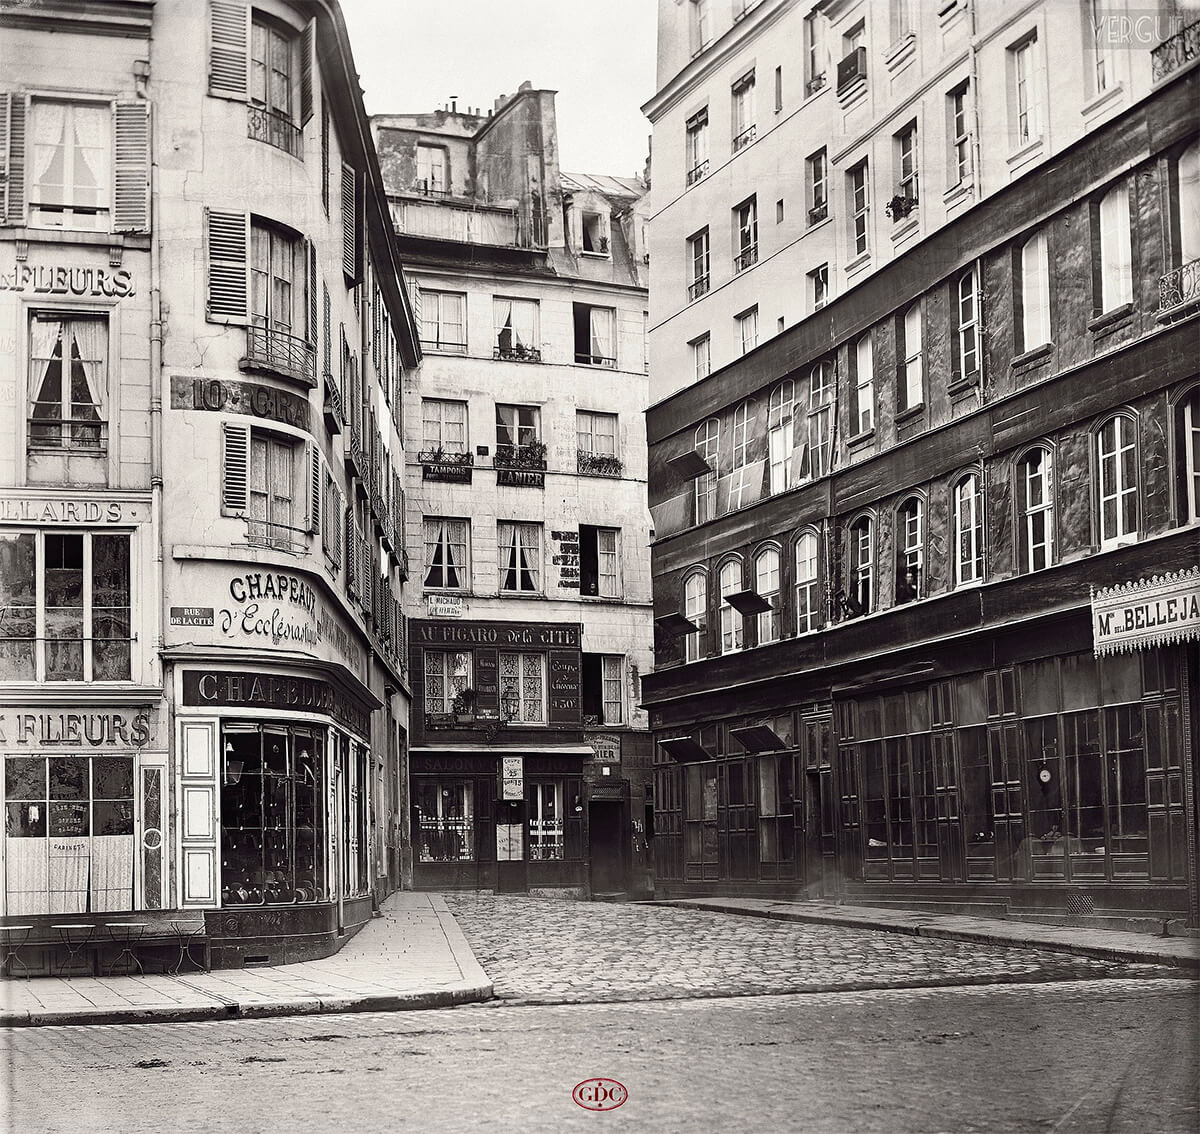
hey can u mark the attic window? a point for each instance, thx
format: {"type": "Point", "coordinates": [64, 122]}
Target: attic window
{"type": "Point", "coordinates": [595, 234]}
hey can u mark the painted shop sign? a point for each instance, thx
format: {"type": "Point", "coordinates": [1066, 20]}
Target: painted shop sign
{"type": "Point", "coordinates": [512, 777]}
{"type": "Point", "coordinates": [1159, 611]}
{"type": "Point", "coordinates": [45, 511]}
{"type": "Point", "coordinates": [498, 634]}
{"type": "Point", "coordinates": [235, 396]}
{"type": "Point", "coordinates": [247, 690]}
{"type": "Point", "coordinates": [444, 606]}
{"type": "Point", "coordinates": [566, 558]}
{"type": "Point", "coordinates": [78, 729]}
{"type": "Point", "coordinates": [64, 279]}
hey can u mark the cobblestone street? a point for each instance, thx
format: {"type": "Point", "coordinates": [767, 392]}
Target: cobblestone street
{"type": "Point", "coordinates": [542, 950]}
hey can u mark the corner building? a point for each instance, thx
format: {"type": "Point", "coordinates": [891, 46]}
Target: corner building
{"type": "Point", "coordinates": [925, 566]}
{"type": "Point", "coordinates": [209, 679]}
{"type": "Point", "coordinates": [526, 475]}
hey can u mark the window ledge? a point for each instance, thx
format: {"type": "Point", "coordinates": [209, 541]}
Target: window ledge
{"type": "Point", "coordinates": [1103, 100]}
{"type": "Point", "coordinates": [1113, 320]}
{"type": "Point", "coordinates": [967, 585]}
{"type": "Point", "coordinates": [1032, 357]}
{"type": "Point", "coordinates": [964, 385]}
{"type": "Point", "coordinates": [858, 263]}
{"type": "Point", "coordinates": [827, 219]}
{"type": "Point", "coordinates": [906, 228]}
{"type": "Point", "coordinates": [1025, 154]}
{"type": "Point", "coordinates": [901, 53]}
{"type": "Point", "coordinates": [908, 414]}
{"type": "Point", "coordinates": [595, 255]}
{"type": "Point", "coordinates": [139, 242]}
{"type": "Point", "coordinates": [860, 439]}
{"type": "Point", "coordinates": [958, 192]}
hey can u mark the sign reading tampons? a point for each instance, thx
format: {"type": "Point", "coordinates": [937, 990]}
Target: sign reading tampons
{"type": "Point", "coordinates": [512, 777]}
{"type": "Point", "coordinates": [1159, 611]}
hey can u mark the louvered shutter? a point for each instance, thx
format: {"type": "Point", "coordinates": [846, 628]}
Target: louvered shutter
{"type": "Point", "coordinates": [227, 242]}
{"type": "Point", "coordinates": [12, 152]}
{"type": "Point", "coordinates": [235, 468]}
{"type": "Point", "coordinates": [335, 525]}
{"type": "Point", "coordinates": [328, 313]}
{"type": "Point", "coordinates": [308, 54]}
{"type": "Point", "coordinates": [312, 294]}
{"type": "Point", "coordinates": [314, 487]}
{"type": "Point", "coordinates": [131, 167]}
{"type": "Point", "coordinates": [351, 554]}
{"type": "Point", "coordinates": [228, 54]}
{"type": "Point", "coordinates": [349, 224]}
{"type": "Point", "coordinates": [414, 296]}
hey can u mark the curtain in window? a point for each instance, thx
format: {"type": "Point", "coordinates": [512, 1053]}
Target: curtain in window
{"type": "Point", "coordinates": [49, 149]}
{"type": "Point", "coordinates": [445, 567]}
{"type": "Point", "coordinates": [520, 568]}
{"type": "Point", "coordinates": [87, 377]}
{"type": "Point", "coordinates": [91, 148]}
{"type": "Point", "coordinates": [602, 333]}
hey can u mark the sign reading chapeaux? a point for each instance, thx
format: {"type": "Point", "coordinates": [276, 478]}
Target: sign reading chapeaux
{"type": "Point", "coordinates": [1151, 612]}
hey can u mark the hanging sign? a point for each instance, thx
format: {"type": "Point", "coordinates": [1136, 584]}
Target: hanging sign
{"type": "Point", "coordinates": [512, 777]}
{"type": "Point", "coordinates": [1158, 611]}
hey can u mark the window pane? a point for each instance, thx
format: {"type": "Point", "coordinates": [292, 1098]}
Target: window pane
{"type": "Point", "coordinates": [17, 606]}
{"type": "Point", "coordinates": [64, 607]}
{"type": "Point", "coordinates": [111, 626]}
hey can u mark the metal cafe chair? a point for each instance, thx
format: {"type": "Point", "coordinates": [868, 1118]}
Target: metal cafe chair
{"type": "Point", "coordinates": [12, 940]}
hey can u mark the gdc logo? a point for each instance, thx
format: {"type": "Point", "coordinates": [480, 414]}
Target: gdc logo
{"type": "Point", "coordinates": [599, 1094]}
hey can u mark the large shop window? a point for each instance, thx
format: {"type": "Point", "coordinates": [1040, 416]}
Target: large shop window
{"type": "Point", "coordinates": [546, 832]}
{"type": "Point", "coordinates": [68, 383]}
{"type": "Point", "coordinates": [445, 820]}
{"type": "Point", "coordinates": [523, 688]}
{"type": "Point", "coordinates": [775, 842]}
{"type": "Point", "coordinates": [447, 676]}
{"type": "Point", "coordinates": [65, 606]}
{"type": "Point", "coordinates": [69, 845]}
{"type": "Point", "coordinates": [272, 815]}
{"type": "Point", "coordinates": [700, 815]}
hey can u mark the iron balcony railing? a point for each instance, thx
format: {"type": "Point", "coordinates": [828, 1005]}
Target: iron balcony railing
{"type": "Point", "coordinates": [851, 69]}
{"type": "Point", "coordinates": [531, 456]}
{"type": "Point", "coordinates": [818, 212]}
{"type": "Point", "coordinates": [452, 468]}
{"type": "Point", "coordinates": [1180, 286]}
{"type": "Point", "coordinates": [697, 171]}
{"type": "Point", "coordinates": [280, 352]}
{"type": "Point", "coordinates": [598, 464]}
{"type": "Point", "coordinates": [745, 138]}
{"type": "Point", "coordinates": [49, 432]}
{"type": "Point", "coordinates": [698, 287]}
{"type": "Point", "coordinates": [276, 129]}
{"type": "Point", "coordinates": [595, 360]}
{"type": "Point", "coordinates": [517, 353]}
{"type": "Point", "coordinates": [746, 258]}
{"type": "Point", "coordinates": [281, 537]}
{"type": "Point", "coordinates": [333, 408]}
{"type": "Point", "coordinates": [464, 223]}
{"type": "Point", "coordinates": [1174, 52]}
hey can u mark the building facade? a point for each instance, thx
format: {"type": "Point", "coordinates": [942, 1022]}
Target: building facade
{"type": "Point", "coordinates": [527, 504]}
{"type": "Point", "coordinates": [925, 568]}
{"type": "Point", "coordinates": [206, 679]}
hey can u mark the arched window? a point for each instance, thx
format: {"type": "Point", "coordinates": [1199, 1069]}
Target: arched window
{"type": "Point", "coordinates": [862, 566]}
{"type": "Point", "coordinates": [1035, 507]}
{"type": "Point", "coordinates": [766, 583]}
{"type": "Point", "coordinates": [1115, 275]}
{"type": "Point", "coordinates": [821, 391]}
{"type": "Point", "coordinates": [910, 550]}
{"type": "Point", "coordinates": [781, 439]}
{"type": "Point", "coordinates": [1187, 455]}
{"type": "Point", "coordinates": [695, 610]}
{"type": "Point", "coordinates": [808, 600]}
{"type": "Point", "coordinates": [968, 530]}
{"type": "Point", "coordinates": [1116, 462]}
{"type": "Point", "coordinates": [731, 619]}
{"type": "Point", "coordinates": [708, 435]}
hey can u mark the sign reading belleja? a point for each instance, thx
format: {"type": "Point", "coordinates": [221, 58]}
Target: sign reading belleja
{"type": "Point", "coordinates": [1150, 612]}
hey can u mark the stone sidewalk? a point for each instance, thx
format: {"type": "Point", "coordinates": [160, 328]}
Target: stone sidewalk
{"type": "Point", "coordinates": [414, 956]}
{"type": "Point", "coordinates": [1079, 941]}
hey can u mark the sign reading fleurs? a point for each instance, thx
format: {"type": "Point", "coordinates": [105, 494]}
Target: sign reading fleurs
{"type": "Point", "coordinates": [1150, 612]}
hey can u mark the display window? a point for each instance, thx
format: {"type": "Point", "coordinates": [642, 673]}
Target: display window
{"type": "Point", "coordinates": [446, 820]}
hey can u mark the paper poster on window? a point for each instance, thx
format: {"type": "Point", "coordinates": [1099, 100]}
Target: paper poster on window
{"type": "Point", "coordinates": [510, 842]}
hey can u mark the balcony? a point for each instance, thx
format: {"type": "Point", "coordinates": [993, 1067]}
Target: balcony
{"type": "Point", "coordinates": [521, 466]}
{"type": "Point", "coordinates": [852, 70]}
{"type": "Point", "coordinates": [438, 219]}
{"type": "Point", "coordinates": [1180, 288]}
{"type": "Point", "coordinates": [597, 464]}
{"type": "Point", "coordinates": [698, 288]}
{"type": "Point", "coordinates": [818, 213]}
{"type": "Point", "coordinates": [697, 172]}
{"type": "Point", "coordinates": [746, 258]}
{"type": "Point", "coordinates": [277, 352]}
{"type": "Point", "coordinates": [449, 468]}
{"type": "Point", "coordinates": [280, 537]}
{"type": "Point", "coordinates": [1175, 52]}
{"type": "Point", "coordinates": [275, 129]}
{"type": "Point", "coordinates": [517, 353]}
{"type": "Point", "coordinates": [745, 138]}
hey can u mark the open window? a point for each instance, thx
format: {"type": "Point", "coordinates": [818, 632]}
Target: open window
{"type": "Point", "coordinates": [595, 233]}
{"type": "Point", "coordinates": [599, 564]}
{"type": "Point", "coordinates": [595, 335]}
{"type": "Point", "coordinates": [603, 681]}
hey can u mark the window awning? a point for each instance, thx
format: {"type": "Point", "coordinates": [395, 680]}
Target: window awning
{"type": "Point", "coordinates": [748, 602]}
{"type": "Point", "coordinates": [684, 748]}
{"type": "Point", "coordinates": [689, 465]}
{"type": "Point", "coordinates": [675, 625]}
{"type": "Point", "coordinates": [757, 738]}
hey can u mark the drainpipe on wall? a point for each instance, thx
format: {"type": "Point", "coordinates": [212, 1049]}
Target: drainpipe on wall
{"type": "Point", "coordinates": [977, 165]}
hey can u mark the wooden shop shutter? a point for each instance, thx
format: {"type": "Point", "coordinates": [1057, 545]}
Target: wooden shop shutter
{"type": "Point", "coordinates": [228, 54]}
{"type": "Point", "coordinates": [131, 167]}
{"type": "Point", "coordinates": [235, 468]}
{"type": "Point", "coordinates": [227, 244]}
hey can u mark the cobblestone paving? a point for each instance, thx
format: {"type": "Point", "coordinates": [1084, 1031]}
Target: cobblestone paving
{"type": "Point", "coordinates": [1075, 1057]}
{"type": "Point", "coordinates": [544, 950]}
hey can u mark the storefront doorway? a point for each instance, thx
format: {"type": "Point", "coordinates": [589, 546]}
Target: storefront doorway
{"type": "Point", "coordinates": [512, 873]}
{"type": "Point", "coordinates": [606, 843]}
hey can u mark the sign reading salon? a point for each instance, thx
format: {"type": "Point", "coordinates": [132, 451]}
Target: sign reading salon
{"type": "Point", "coordinates": [1159, 611]}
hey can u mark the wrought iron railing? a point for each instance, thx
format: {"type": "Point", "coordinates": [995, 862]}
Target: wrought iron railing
{"type": "Point", "coordinates": [276, 129]}
{"type": "Point", "coordinates": [452, 468]}
{"type": "Point", "coordinates": [1174, 52]}
{"type": "Point", "coordinates": [746, 258]}
{"type": "Point", "coordinates": [698, 287]}
{"type": "Point", "coordinates": [517, 353]}
{"type": "Point", "coordinates": [282, 537]}
{"type": "Point", "coordinates": [50, 433]}
{"type": "Point", "coordinates": [595, 360]}
{"type": "Point", "coordinates": [532, 456]}
{"type": "Point", "coordinates": [274, 350]}
{"type": "Point", "coordinates": [818, 212]}
{"type": "Point", "coordinates": [1180, 286]}
{"type": "Point", "coordinates": [745, 138]}
{"type": "Point", "coordinates": [697, 171]}
{"type": "Point", "coordinates": [598, 464]}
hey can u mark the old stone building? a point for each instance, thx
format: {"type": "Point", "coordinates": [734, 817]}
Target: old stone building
{"type": "Point", "coordinates": [527, 505]}
{"type": "Point", "coordinates": [924, 454]}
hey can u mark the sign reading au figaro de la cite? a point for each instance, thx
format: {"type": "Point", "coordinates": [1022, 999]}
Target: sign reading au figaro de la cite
{"type": "Point", "coordinates": [550, 635]}
{"type": "Point", "coordinates": [69, 279]}
{"type": "Point", "coordinates": [62, 728]}
{"type": "Point", "coordinates": [30, 508]}
{"type": "Point", "coordinates": [264, 609]}
{"type": "Point", "coordinates": [1159, 611]}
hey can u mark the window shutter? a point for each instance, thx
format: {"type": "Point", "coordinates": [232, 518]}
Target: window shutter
{"type": "Point", "coordinates": [235, 468]}
{"type": "Point", "coordinates": [314, 487]}
{"type": "Point", "coordinates": [131, 167]}
{"type": "Point", "coordinates": [414, 295]}
{"type": "Point", "coordinates": [227, 242]}
{"type": "Point", "coordinates": [229, 33]}
{"type": "Point", "coordinates": [312, 294]}
{"type": "Point", "coordinates": [335, 526]}
{"type": "Point", "coordinates": [351, 555]}
{"type": "Point", "coordinates": [349, 224]}
{"type": "Point", "coordinates": [328, 371]}
{"type": "Point", "coordinates": [308, 53]}
{"type": "Point", "coordinates": [12, 152]}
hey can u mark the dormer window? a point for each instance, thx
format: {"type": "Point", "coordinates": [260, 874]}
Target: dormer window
{"type": "Point", "coordinates": [595, 234]}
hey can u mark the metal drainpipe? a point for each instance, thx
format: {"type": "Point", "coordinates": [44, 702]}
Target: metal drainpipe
{"type": "Point", "coordinates": [976, 163]}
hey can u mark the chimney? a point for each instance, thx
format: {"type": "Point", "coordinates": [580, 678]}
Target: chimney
{"type": "Point", "coordinates": [454, 104]}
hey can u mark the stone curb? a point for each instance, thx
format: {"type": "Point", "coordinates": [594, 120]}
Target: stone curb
{"type": "Point", "coordinates": [915, 927]}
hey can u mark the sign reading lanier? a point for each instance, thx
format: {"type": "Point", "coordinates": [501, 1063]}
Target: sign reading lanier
{"type": "Point", "coordinates": [1151, 612]}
